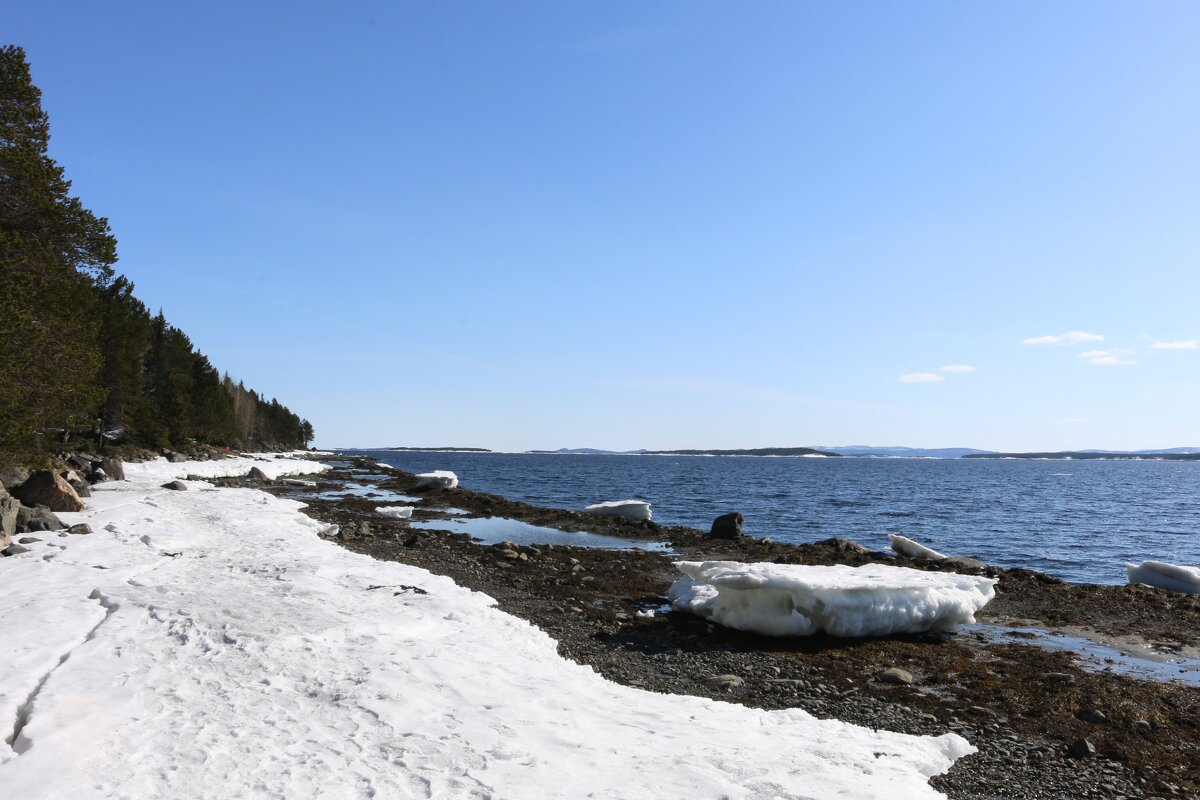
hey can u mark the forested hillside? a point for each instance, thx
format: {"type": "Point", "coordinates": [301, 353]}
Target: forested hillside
{"type": "Point", "coordinates": [78, 351]}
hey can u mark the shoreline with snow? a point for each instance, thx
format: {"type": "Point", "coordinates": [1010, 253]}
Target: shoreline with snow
{"type": "Point", "coordinates": [206, 642]}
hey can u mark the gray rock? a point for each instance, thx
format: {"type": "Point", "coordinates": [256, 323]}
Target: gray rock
{"type": "Point", "coordinates": [28, 540]}
{"type": "Point", "coordinates": [178, 486]}
{"type": "Point", "coordinates": [174, 457]}
{"type": "Point", "coordinates": [727, 526]}
{"type": "Point", "coordinates": [964, 561]}
{"type": "Point", "coordinates": [98, 475]}
{"type": "Point", "coordinates": [43, 519]}
{"type": "Point", "coordinates": [1059, 677]}
{"type": "Point", "coordinates": [1081, 748]}
{"type": "Point", "coordinates": [725, 683]}
{"type": "Point", "coordinates": [14, 549]}
{"type": "Point", "coordinates": [82, 488]}
{"type": "Point", "coordinates": [113, 469]}
{"type": "Point", "coordinates": [897, 676]}
{"type": "Point", "coordinates": [82, 528]}
{"type": "Point", "coordinates": [256, 474]}
{"type": "Point", "coordinates": [10, 507]}
{"type": "Point", "coordinates": [1092, 715]}
{"type": "Point", "coordinates": [14, 477]}
{"type": "Point", "coordinates": [1142, 727]}
{"type": "Point", "coordinates": [49, 489]}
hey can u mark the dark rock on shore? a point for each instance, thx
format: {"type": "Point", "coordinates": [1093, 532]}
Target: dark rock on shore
{"type": "Point", "coordinates": [178, 486]}
{"type": "Point", "coordinates": [727, 526]}
{"type": "Point", "coordinates": [50, 489]}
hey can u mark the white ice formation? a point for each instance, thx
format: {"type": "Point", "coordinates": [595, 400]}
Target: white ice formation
{"type": "Point", "coordinates": [225, 650]}
{"type": "Point", "coordinates": [1172, 577]}
{"type": "Point", "coordinates": [794, 600]}
{"type": "Point", "coordinates": [630, 509]}
{"type": "Point", "coordinates": [399, 512]}
{"type": "Point", "coordinates": [438, 479]}
{"type": "Point", "coordinates": [907, 547]}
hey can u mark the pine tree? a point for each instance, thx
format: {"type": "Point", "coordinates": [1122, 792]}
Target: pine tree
{"type": "Point", "coordinates": [54, 253]}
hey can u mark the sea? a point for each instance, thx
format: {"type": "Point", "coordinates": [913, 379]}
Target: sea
{"type": "Point", "coordinates": [1077, 520]}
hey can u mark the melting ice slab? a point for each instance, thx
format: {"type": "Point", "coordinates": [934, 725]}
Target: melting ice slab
{"type": "Point", "coordinates": [438, 479]}
{"type": "Point", "coordinates": [907, 547]}
{"type": "Point", "coordinates": [794, 600]}
{"type": "Point", "coordinates": [1172, 577]}
{"type": "Point", "coordinates": [631, 509]}
{"type": "Point", "coordinates": [399, 512]}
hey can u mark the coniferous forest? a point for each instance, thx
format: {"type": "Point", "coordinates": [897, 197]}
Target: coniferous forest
{"type": "Point", "coordinates": [79, 353]}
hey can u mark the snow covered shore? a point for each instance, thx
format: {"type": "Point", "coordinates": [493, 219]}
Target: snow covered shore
{"type": "Point", "coordinates": [206, 643]}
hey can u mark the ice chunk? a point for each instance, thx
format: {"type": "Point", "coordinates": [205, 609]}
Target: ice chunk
{"type": "Point", "coordinates": [907, 547]}
{"type": "Point", "coordinates": [399, 512]}
{"type": "Point", "coordinates": [794, 600]}
{"type": "Point", "coordinates": [438, 479]}
{"type": "Point", "coordinates": [298, 482]}
{"type": "Point", "coordinates": [1172, 577]}
{"type": "Point", "coordinates": [630, 509]}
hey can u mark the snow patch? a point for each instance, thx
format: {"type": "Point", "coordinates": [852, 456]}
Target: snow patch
{"type": "Point", "coordinates": [794, 600]}
{"type": "Point", "coordinates": [399, 512]}
{"type": "Point", "coordinates": [438, 479]}
{"type": "Point", "coordinates": [907, 547]}
{"type": "Point", "coordinates": [1172, 577]}
{"type": "Point", "coordinates": [630, 509]}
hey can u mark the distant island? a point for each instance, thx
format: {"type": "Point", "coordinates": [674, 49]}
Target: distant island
{"type": "Point", "coordinates": [759, 451]}
{"type": "Point", "coordinates": [439, 449]}
{"type": "Point", "coordinates": [1096, 455]}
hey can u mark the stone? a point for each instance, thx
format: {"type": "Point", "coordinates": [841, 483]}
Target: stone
{"type": "Point", "coordinates": [1059, 677]}
{"type": "Point", "coordinates": [727, 526]}
{"type": "Point", "coordinates": [14, 476]}
{"type": "Point", "coordinates": [1081, 748]}
{"type": "Point", "coordinates": [43, 519]}
{"type": "Point", "coordinates": [81, 529]}
{"type": "Point", "coordinates": [174, 457]}
{"type": "Point", "coordinates": [79, 462]}
{"type": "Point", "coordinates": [98, 475]}
{"type": "Point", "coordinates": [1142, 727]}
{"type": "Point", "coordinates": [13, 550]}
{"type": "Point", "coordinates": [1091, 715]}
{"type": "Point", "coordinates": [900, 677]}
{"type": "Point", "coordinates": [82, 488]}
{"type": "Point", "coordinates": [725, 683]}
{"type": "Point", "coordinates": [113, 469]}
{"type": "Point", "coordinates": [178, 486]}
{"type": "Point", "coordinates": [256, 474]}
{"type": "Point", "coordinates": [28, 540]}
{"type": "Point", "coordinates": [49, 489]}
{"type": "Point", "coordinates": [964, 561]}
{"type": "Point", "coordinates": [10, 507]}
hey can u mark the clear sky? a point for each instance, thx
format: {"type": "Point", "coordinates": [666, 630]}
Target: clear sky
{"type": "Point", "coordinates": [671, 224]}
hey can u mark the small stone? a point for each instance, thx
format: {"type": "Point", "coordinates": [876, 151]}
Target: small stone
{"type": "Point", "coordinates": [1081, 748]}
{"type": "Point", "coordinates": [177, 486]}
{"type": "Point", "coordinates": [511, 555]}
{"type": "Point", "coordinates": [82, 529]}
{"type": "Point", "coordinates": [1142, 727]}
{"type": "Point", "coordinates": [1092, 715]}
{"type": "Point", "coordinates": [14, 549]}
{"type": "Point", "coordinates": [28, 540]}
{"type": "Point", "coordinates": [256, 474]}
{"type": "Point", "coordinates": [897, 676]}
{"type": "Point", "coordinates": [725, 683]}
{"type": "Point", "coordinates": [1058, 677]}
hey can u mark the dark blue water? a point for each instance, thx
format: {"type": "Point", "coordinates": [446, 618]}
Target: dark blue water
{"type": "Point", "coordinates": [1078, 520]}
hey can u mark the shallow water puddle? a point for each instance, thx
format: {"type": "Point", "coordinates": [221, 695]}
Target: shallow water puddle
{"type": "Point", "coordinates": [1093, 656]}
{"type": "Point", "coordinates": [492, 530]}
{"type": "Point", "coordinates": [369, 492]}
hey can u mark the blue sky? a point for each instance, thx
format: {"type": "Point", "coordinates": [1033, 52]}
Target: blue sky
{"type": "Point", "coordinates": [528, 225]}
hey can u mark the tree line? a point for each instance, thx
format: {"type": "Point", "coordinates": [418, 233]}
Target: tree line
{"type": "Point", "coordinates": [78, 351]}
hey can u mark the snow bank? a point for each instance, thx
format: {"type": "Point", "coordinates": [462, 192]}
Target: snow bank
{"type": "Point", "coordinates": [1172, 577]}
{"type": "Point", "coordinates": [907, 547]}
{"type": "Point", "coordinates": [224, 650]}
{"type": "Point", "coordinates": [793, 600]}
{"type": "Point", "coordinates": [399, 512]}
{"type": "Point", "coordinates": [273, 465]}
{"type": "Point", "coordinates": [438, 479]}
{"type": "Point", "coordinates": [631, 509]}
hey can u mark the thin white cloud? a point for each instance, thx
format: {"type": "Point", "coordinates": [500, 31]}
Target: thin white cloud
{"type": "Point", "coordinates": [956, 368]}
{"type": "Point", "coordinates": [921, 377]}
{"type": "Point", "coordinates": [1187, 344]}
{"type": "Point", "coordinates": [1070, 337]}
{"type": "Point", "coordinates": [1108, 358]}
{"type": "Point", "coordinates": [1074, 421]}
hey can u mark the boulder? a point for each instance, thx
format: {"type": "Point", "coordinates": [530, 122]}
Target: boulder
{"type": "Point", "coordinates": [727, 526]}
{"type": "Point", "coordinates": [256, 474]}
{"type": "Point", "coordinates": [49, 489]}
{"type": "Point", "coordinates": [178, 486]}
{"type": "Point", "coordinates": [82, 488]}
{"type": "Point", "coordinates": [81, 529]}
{"type": "Point", "coordinates": [113, 469]}
{"type": "Point", "coordinates": [174, 457]}
{"type": "Point", "coordinates": [14, 549]}
{"type": "Point", "coordinates": [10, 507]}
{"type": "Point", "coordinates": [14, 477]}
{"type": "Point", "coordinates": [98, 475]}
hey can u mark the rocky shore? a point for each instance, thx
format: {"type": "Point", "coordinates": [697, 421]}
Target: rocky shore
{"type": "Point", "coordinates": [1045, 726]}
